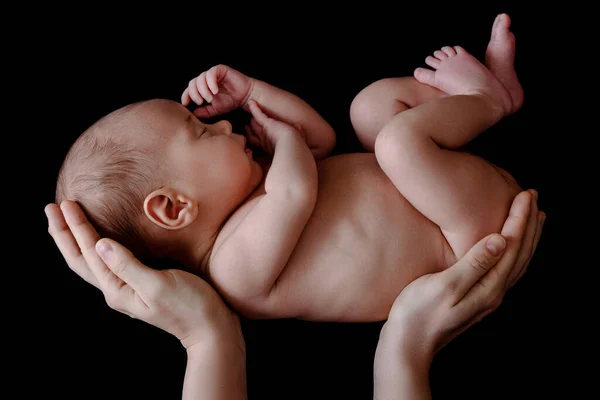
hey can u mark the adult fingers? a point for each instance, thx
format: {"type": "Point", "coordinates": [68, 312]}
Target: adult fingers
{"type": "Point", "coordinates": [66, 243]}
{"type": "Point", "coordinates": [526, 249]}
{"type": "Point", "coordinates": [472, 266]}
{"type": "Point", "coordinates": [138, 282]}
{"type": "Point", "coordinates": [538, 234]}
{"type": "Point", "coordinates": [514, 229]}
{"type": "Point", "coordinates": [488, 292]}
{"type": "Point", "coordinates": [86, 237]}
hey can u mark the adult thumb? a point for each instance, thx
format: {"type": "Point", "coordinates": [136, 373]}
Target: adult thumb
{"type": "Point", "coordinates": [476, 263]}
{"type": "Point", "coordinates": [123, 264]}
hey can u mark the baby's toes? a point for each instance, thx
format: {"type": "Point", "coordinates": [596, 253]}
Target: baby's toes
{"type": "Point", "coordinates": [425, 76]}
{"type": "Point", "coordinates": [449, 51]}
{"type": "Point", "coordinates": [459, 50]}
{"type": "Point", "coordinates": [433, 62]}
{"type": "Point", "coordinates": [440, 55]}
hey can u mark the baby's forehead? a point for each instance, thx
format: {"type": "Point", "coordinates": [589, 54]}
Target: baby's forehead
{"type": "Point", "coordinates": [160, 109]}
{"type": "Point", "coordinates": [155, 116]}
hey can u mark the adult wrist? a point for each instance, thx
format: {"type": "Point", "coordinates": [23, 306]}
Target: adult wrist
{"type": "Point", "coordinates": [398, 342]}
{"type": "Point", "coordinates": [229, 343]}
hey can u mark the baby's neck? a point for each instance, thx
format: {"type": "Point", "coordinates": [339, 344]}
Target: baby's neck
{"type": "Point", "coordinates": [197, 255]}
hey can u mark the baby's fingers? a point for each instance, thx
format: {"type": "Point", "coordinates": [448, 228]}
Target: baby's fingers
{"type": "Point", "coordinates": [193, 93]}
{"type": "Point", "coordinates": [214, 75]}
{"type": "Point", "coordinates": [252, 138]}
{"type": "Point", "coordinates": [259, 132]}
{"type": "Point", "coordinates": [202, 86]}
{"type": "Point", "coordinates": [185, 97]}
{"type": "Point", "coordinates": [256, 127]}
{"type": "Point", "coordinates": [259, 117]}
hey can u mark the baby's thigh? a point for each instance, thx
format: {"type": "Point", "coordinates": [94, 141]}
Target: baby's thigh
{"type": "Point", "coordinates": [484, 209]}
{"type": "Point", "coordinates": [513, 187]}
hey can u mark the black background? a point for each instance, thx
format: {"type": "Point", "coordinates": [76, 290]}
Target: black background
{"type": "Point", "coordinates": [86, 63]}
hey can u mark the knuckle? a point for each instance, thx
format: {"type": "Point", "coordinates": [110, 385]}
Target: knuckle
{"type": "Point", "coordinates": [119, 266]}
{"type": "Point", "coordinates": [496, 300]}
{"type": "Point", "coordinates": [111, 299]}
{"type": "Point", "coordinates": [479, 262]}
{"type": "Point", "coordinates": [451, 287]}
{"type": "Point", "coordinates": [154, 292]}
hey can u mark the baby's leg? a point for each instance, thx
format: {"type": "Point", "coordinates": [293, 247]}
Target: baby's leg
{"type": "Point", "coordinates": [378, 103]}
{"type": "Point", "coordinates": [464, 195]}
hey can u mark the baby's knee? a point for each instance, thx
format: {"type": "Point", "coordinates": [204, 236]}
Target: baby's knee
{"type": "Point", "coordinates": [376, 103]}
{"type": "Point", "coordinates": [362, 106]}
{"type": "Point", "coordinates": [391, 146]}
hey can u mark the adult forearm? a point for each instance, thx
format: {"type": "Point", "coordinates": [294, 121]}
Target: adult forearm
{"type": "Point", "coordinates": [287, 107]}
{"type": "Point", "coordinates": [215, 370]}
{"type": "Point", "coordinates": [399, 372]}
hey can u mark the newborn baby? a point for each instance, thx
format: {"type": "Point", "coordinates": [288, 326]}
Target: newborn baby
{"type": "Point", "coordinates": [300, 234]}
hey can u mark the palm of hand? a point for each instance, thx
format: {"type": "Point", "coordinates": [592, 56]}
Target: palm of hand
{"type": "Point", "coordinates": [234, 89]}
{"type": "Point", "coordinates": [189, 308]}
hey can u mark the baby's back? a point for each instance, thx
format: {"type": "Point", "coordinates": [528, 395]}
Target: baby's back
{"type": "Point", "coordinates": [362, 245]}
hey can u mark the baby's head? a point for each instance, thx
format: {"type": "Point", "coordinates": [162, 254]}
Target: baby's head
{"type": "Point", "coordinates": [156, 179]}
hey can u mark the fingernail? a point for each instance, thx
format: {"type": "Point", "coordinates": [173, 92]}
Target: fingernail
{"type": "Point", "coordinates": [104, 249]}
{"type": "Point", "coordinates": [495, 245]}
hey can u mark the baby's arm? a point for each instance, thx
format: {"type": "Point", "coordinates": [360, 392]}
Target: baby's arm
{"type": "Point", "coordinates": [289, 108]}
{"type": "Point", "coordinates": [246, 266]}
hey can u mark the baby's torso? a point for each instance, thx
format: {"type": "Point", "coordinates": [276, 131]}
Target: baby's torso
{"type": "Point", "coordinates": [362, 245]}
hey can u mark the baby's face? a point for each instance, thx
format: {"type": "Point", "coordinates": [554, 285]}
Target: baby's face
{"type": "Point", "coordinates": [203, 160]}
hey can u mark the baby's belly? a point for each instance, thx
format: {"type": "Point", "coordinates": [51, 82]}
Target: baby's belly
{"type": "Point", "coordinates": [363, 244]}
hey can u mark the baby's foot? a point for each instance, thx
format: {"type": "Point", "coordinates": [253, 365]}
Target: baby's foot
{"type": "Point", "coordinates": [500, 57]}
{"type": "Point", "coordinates": [458, 72]}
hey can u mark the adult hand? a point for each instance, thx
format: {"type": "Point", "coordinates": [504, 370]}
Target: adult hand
{"type": "Point", "coordinates": [435, 308]}
{"type": "Point", "coordinates": [173, 300]}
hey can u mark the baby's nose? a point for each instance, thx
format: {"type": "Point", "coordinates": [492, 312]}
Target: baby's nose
{"type": "Point", "coordinates": [225, 127]}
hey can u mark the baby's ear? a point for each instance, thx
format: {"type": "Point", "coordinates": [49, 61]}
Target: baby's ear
{"type": "Point", "coordinates": [170, 209]}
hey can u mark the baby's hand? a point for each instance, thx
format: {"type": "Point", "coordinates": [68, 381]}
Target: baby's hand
{"type": "Point", "coordinates": [221, 88]}
{"type": "Point", "coordinates": [264, 131]}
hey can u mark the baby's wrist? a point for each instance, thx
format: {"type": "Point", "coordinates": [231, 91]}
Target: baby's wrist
{"type": "Point", "coordinates": [254, 93]}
